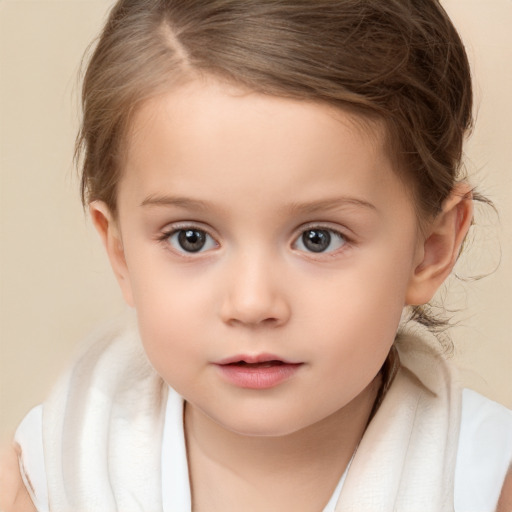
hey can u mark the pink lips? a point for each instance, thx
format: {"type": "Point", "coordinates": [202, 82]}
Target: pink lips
{"type": "Point", "coordinates": [262, 371]}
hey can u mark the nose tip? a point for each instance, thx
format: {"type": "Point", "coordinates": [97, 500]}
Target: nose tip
{"type": "Point", "coordinates": [255, 301]}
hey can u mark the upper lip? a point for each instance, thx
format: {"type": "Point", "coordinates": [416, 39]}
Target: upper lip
{"type": "Point", "coordinates": [254, 358]}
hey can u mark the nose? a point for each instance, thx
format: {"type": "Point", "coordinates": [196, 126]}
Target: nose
{"type": "Point", "coordinates": [254, 295]}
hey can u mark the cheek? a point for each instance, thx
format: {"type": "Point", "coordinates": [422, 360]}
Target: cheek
{"type": "Point", "coordinates": [173, 308]}
{"type": "Point", "coordinates": [360, 310]}
{"type": "Point", "coordinates": [370, 294]}
{"type": "Point", "coordinates": [162, 290]}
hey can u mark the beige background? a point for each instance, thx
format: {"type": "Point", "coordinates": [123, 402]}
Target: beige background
{"type": "Point", "coordinates": [54, 281]}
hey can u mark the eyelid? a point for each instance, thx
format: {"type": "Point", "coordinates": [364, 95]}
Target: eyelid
{"type": "Point", "coordinates": [327, 226]}
{"type": "Point", "coordinates": [323, 226]}
{"type": "Point", "coordinates": [173, 228]}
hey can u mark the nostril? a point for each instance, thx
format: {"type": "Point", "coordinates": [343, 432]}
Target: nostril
{"type": "Point", "coordinates": [254, 323]}
{"type": "Point", "coordinates": [254, 299]}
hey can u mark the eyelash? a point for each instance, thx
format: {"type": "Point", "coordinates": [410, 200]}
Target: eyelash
{"type": "Point", "coordinates": [168, 234]}
{"type": "Point", "coordinates": [175, 231]}
{"type": "Point", "coordinates": [334, 235]}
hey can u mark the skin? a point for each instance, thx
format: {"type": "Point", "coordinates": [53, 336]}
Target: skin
{"type": "Point", "coordinates": [254, 173]}
{"type": "Point", "coordinates": [14, 496]}
{"type": "Point", "coordinates": [505, 501]}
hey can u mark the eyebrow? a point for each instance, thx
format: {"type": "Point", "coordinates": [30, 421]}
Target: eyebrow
{"type": "Point", "coordinates": [307, 208]}
{"type": "Point", "coordinates": [180, 202]}
{"type": "Point", "coordinates": [331, 204]}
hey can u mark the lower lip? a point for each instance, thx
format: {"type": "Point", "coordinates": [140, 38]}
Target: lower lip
{"type": "Point", "coordinates": [258, 377]}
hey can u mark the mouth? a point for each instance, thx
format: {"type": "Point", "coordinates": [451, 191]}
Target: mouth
{"type": "Point", "coordinates": [263, 364]}
{"type": "Point", "coordinates": [262, 371]}
{"type": "Point", "coordinates": [255, 360]}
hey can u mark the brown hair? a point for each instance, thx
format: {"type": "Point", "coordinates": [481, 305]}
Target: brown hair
{"type": "Point", "coordinates": [399, 60]}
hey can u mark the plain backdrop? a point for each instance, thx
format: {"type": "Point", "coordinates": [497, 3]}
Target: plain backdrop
{"type": "Point", "coordinates": [55, 284]}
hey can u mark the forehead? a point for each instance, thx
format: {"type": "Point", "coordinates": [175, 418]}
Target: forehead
{"type": "Point", "coordinates": [210, 98]}
{"type": "Point", "coordinates": [232, 141]}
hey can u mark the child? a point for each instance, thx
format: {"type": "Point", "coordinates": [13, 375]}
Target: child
{"type": "Point", "coordinates": [277, 186]}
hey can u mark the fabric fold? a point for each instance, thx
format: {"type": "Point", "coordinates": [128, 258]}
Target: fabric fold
{"type": "Point", "coordinates": [103, 428]}
{"type": "Point", "coordinates": [406, 459]}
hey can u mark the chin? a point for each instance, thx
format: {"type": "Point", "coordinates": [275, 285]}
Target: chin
{"type": "Point", "coordinates": [264, 425]}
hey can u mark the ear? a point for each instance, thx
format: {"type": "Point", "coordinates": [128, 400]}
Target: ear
{"type": "Point", "coordinates": [441, 247]}
{"type": "Point", "coordinates": [110, 234]}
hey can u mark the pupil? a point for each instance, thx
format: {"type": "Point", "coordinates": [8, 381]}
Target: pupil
{"type": "Point", "coordinates": [191, 240]}
{"type": "Point", "coordinates": [316, 240]}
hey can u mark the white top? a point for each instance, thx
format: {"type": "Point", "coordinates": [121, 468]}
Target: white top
{"type": "Point", "coordinates": [483, 458]}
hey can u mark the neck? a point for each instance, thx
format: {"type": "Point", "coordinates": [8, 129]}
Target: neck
{"type": "Point", "coordinates": [304, 465]}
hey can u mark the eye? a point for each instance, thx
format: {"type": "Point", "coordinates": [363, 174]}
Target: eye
{"type": "Point", "coordinates": [319, 240]}
{"type": "Point", "coordinates": [191, 240]}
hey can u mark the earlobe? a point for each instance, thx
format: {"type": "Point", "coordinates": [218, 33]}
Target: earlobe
{"type": "Point", "coordinates": [108, 229]}
{"type": "Point", "coordinates": [442, 245]}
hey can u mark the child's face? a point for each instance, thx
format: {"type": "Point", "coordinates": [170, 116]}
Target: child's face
{"type": "Point", "coordinates": [263, 229]}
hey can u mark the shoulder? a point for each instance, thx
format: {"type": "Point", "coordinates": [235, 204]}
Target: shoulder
{"type": "Point", "coordinates": [486, 421]}
{"type": "Point", "coordinates": [484, 452]}
{"type": "Point", "coordinates": [485, 428]}
{"type": "Point", "coordinates": [505, 501]}
{"type": "Point", "coordinates": [29, 438]}
{"type": "Point", "coordinates": [14, 496]}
